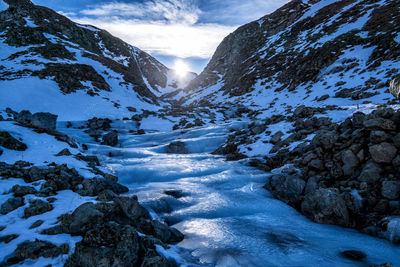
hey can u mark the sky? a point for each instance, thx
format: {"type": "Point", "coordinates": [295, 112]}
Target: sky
{"type": "Point", "coordinates": [172, 31]}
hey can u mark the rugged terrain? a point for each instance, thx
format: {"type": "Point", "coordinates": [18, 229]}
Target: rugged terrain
{"type": "Point", "coordinates": [306, 94]}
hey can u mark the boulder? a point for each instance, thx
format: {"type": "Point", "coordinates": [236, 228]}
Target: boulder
{"type": "Point", "coordinates": [325, 205]}
{"type": "Point", "coordinates": [396, 140]}
{"type": "Point", "coordinates": [380, 124]}
{"type": "Point", "coordinates": [110, 139]}
{"type": "Point", "coordinates": [391, 189]}
{"type": "Point", "coordinates": [383, 152]}
{"type": "Point", "coordinates": [377, 137]}
{"type": "Point", "coordinates": [24, 117]}
{"type": "Point", "coordinates": [64, 152]}
{"type": "Point", "coordinates": [131, 208]}
{"type": "Point", "coordinates": [325, 139]}
{"type": "Point", "coordinates": [166, 234]}
{"type": "Point", "coordinates": [371, 173]}
{"type": "Point", "coordinates": [350, 161]}
{"type": "Point", "coordinates": [44, 120]}
{"type": "Point", "coordinates": [92, 187]}
{"type": "Point", "coordinates": [36, 207]}
{"type": "Point", "coordinates": [99, 123]}
{"type": "Point", "coordinates": [353, 255]}
{"type": "Point", "coordinates": [276, 137]}
{"type": "Point", "coordinates": [36, 249]}
{"type": "Point", "coordinates": [394, 87]}
{"type": "Point", "coordinates": [8, 238]}
{"type": "Point", "coordinates": [287, 188]}
{"type": "Point", "coordinates": [303, 112]}
{"type": "Point", "coordinates": [11, 204]}
{"type": "Point", "coordinates": [22, 190]}
{"type": "Point", "coordinates": [176, 148]}
{"type": "Point", "coordinates": [81, 219]}
{"type": "Point", "coordinates": [9, 142]}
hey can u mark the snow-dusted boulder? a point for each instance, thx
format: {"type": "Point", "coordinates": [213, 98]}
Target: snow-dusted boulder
{"type": "Point", "coordinates": [395, 87]}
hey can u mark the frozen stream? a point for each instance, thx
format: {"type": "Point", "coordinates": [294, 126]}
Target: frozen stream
{"type": "Point", "coordinates": [227, 217]}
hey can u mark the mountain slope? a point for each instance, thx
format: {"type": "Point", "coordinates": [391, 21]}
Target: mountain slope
{"type": "Point", "coordinates": [49, 63]}
{"type": "Point", "coordinates": [315, 53]}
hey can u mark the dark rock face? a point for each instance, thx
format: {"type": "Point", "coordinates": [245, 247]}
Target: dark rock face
{"type": "Point", "coordinates": [11, 204]}
{"type": "Point", "coordinates": [37, 207]}
{"type": "Point", "coordinates": [110, 139]}
{"type": "Point", "coordinates": [176, 148]}
{"type": "Point", "coordinates": [287, 188]}
{"type": "Point", "coordinates": [7, 141]}
{"type": "Point", "coordinates": [326, 206]}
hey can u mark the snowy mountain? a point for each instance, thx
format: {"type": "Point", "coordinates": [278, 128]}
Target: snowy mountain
{"type": "Point", "coordinates": [313, 53]}
{"type": "Point", "coordinates": [49, 63]}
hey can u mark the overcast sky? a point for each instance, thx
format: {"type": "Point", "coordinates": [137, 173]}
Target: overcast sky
{"type": "Point", "coordinates": [168, 29]}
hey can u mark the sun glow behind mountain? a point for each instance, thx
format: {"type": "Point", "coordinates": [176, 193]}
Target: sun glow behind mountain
{"type": "Point", "coordinates": [181, 68]}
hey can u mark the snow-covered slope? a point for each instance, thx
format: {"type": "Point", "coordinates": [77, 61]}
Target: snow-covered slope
{"type": "Point", "coordinates": [309, 52]}
{"type": "Point", "coordinates": [49, 63]}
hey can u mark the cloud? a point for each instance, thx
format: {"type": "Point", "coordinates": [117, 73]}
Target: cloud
{"type": "Point", "coordinates": [181, 40]}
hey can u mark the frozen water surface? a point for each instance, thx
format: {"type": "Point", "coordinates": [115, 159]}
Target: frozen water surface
{"type": "Point", "coordinates": [227, 217]}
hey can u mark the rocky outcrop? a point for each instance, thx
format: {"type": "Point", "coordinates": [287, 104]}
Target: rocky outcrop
{"type": "Point", "coordinates": [395, 87]}
{"type": "Point", "coordinates": [43, 120]}
{"type": "Point", "coordinates": [176, 148]}
{"type": "Point", "coordinates": [9, 142]}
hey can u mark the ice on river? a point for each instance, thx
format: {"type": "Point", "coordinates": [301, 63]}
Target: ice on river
{"type": "Point", "coordinates": [227, 217]}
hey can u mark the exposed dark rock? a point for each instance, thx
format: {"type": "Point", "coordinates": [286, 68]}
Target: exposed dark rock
{"type": "Point", "coordinates": [8, 238]}
{"type": "Point", "coordinates": [395, 87]}
{"type": "Point", "coordinates": [110, 139]}
{"type": "Point", "coordinates": [383, 153]}
{"type": "Point", "coordinates": [131, 208]}
{"type": "Point", "coordinates": [174, 193]}
{"type": "Point", "coordinates": [354, 255]}
{"type": "Point", "coordinates": [21, 190]}
{"type": "Point", "coordinates": [92, 187]}
{"type": "Point", "coordinates": [287, 188]}
{"type": "Point", "coordinates": [36, 224]}
{"type": "Point", "coordinates": [44, 120]}
{"type": "Point", "coordinates": [380, 124]}
{"type": "Point", "coordinates": [176, 148]}
{"type": "Point", "coordinates": [38, 248]}
{"type": "Point", "coordinates": [81, 219]}
{"type": "Point", "coordinates": [166, 234]}
{"type": "Point", "coordinates": [11, 204]}
{"type": "Point", "coordinates": [37, 207]}
{"type": "Point", "coordinates": [106, 195]}
{"type": "Point", "coordinates": [9, 142]}
{"type": "Point", "coordinates": [325, 205]}
{"type": "Point", "coordinates": [391, 189]}
{"type": "Point", "coordinates": [64, 152]}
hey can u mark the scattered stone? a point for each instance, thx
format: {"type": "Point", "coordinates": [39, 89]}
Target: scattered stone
{"type": "Point", "coordinates": [64, 152]}
{"type": "Point", "coordinates": [383, 152]}
{"type": "Point", "coordinates": [110, 139]}
{"type": "Point", "coordinates": [36, 207]}
{"type": "Point", "coordinates": [9, 142]}
{"type": "Point", "coordinates": [176, 148]}
{"type": "Point", "coordinates": [8, 238]}
{"type": "Point", "coordinates": [36, 249]}
{"type": "Point", "coordinates": [354, 255]}
{"type": "Point", "coordinates": [22, 190]}
{"type": "Point", "coordinates": [11, 204]}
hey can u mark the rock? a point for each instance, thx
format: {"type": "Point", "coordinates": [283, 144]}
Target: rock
{"type": "Point", "coordinates": [393, 229]}
{"type": "Point", "coordinates": [131, 208]}
{"type": "Point", "coordinates": [98, 123]}
{"type": "Point", "coordinates": [44, 120]}
{"type": "Point", "coordinates": [287, 188]}
{"type": "Point", "coordinates": [377, 137]}
{"type": "Point", "coordinates": [11, 204]}
{"type": "Point", "coordinates": [174, 193]}
{"type": "Point", "coordinates": [383, 152]}
{"type": "Point", "coordinates": [316, 164]}
{"type": "Point", "coordinates": [36, 224]}
{"type": "Point", "coordinates": [391, 189]}
{"type": "Point", "coordinates": [92, 187]}
{"type": "Point", "coordinates": [24, 117]}
{"type": "Point", "coordinates": [36, 249]}
{"type": "Point", "coordinates": [303, 112]}
{"type": "Point", "coordinates": [176, 148]}
{"type": "Point", "coordinates": [350, 162]}
{"type": "Point", "coordinates": [394, 87]}
{"type": "Point", "coordinates": [396, 161]}
{"type": "Point", "coordinates": [380, 123]}
{"type": "Point", "coordinates": [64, 152]}
{"type": "Point", "coordinates": [9, 142]}
{"type": "Point", "coordinates": [325, 139]}
{"type": "Point", "coordinates": [22, 190]}
{"type": "Point", "coordinates": [354, 255]}
{"type": "Point", "coordinates": [165, 233]}
{"type": "Point", "coordinates": [106, 195]}
{"type": "Point", "coordinates": [110, 139]}
{"type": "Point", "coordinates": [226, 149]}
{"type": "Point", "coordinates": [36, 207]}
{"type": "Point", "coordinates": [370, 173]}
{"type": "Point", "coordinates": [396, 140]}
{"type": "Point", "coordinates": [81, 219]}
{"type": "Point", "coordinates": [8, 238]}
{"type": "Point", "coordinates": [325, 205]}
{"type": "Point", "coordinates": [276, 137]}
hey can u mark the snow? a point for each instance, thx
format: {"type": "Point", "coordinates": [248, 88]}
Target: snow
{"type": "Point", "coordinates": [3, 6]}
{"type": "Point", "coordinates": [397, 39]}
{"type": "Point", "coordinates": [226, 215]}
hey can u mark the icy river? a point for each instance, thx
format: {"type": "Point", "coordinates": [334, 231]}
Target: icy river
{"type": "Point", "coordinates": [227, 218]}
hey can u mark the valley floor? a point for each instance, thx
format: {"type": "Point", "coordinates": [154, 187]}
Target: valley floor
{"type": "Point", "coordinates": [227, 218]}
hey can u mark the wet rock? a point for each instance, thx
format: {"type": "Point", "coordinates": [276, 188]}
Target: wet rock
{"type": "Point", "coordinates": [354, 255]}
{"type": "Point", "coordinates": [165, 233]}
{"type": "Point", "coordinates": [176, 148]}
{"type": "Point", "coordinates": [325, 205]}
{"type": "Point", "coordinates": [110, 139]}
{"type": "Point", "coordinates": [380, 123]}
{"type": "Point", "coordinates": [22, 190]}
{"type": "Point", "coordinates": [287, 188]}
{"type": "Point", "coordinates": [81, 219]}
{"type": "Point", "coordinates": [64, 152]}
{"type": "Point", "coordinates": [11, 204]}
{"type": "Point", "coordinates": [38, 248]}
{"type": "Point", "coordinates": [131, 208]}
{"type": "Point", "coordinates": [36, 207]}
{"type": "Point", "coordinates": [92, 187]}
{"type": "Point", "coordinates": [9, 142]}
{"type": "Point", "coordinates": [174, 193]}
{"type": "Point", "coordinates": [44, 120]}
{"type": "Point", "coordinates": [383, 152]}
{"type": "Point", "coordinates": [391, 189]}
